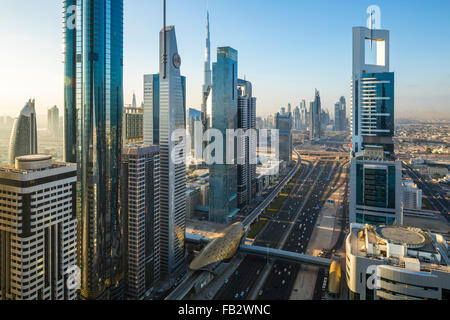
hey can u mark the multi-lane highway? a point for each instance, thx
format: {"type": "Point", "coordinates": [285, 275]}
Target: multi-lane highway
{"type": "Point", "coordinates": [250, 269]}
{"type": "Point", "coordinates": [290, 229]}
{"type": "Point", "coordinates": [437, 198]}
{"type": "Point", "coordinates": [280, 281]}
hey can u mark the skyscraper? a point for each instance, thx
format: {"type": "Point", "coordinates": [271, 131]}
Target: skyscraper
{"type": "Point", "coordinates": [297, 119]}
{"type": "Point", "coordinates": [141, 207]}
{"type": "Point", "coordinates": [134, 104]}
{"type": "Point", "coordinates": [376, 193]}
{"type": "Point", "coordinates": [172, 116]}
{"type": "Point", "coordinates": [284, 125]}
{"type": "Point", "coordinates": [93, 51]}
{"type": "Point", "coordinates": [53, 121]}
{"type": "Point", "coordinates": [337, 117]}
{"type": "Point", "coordinates": [375, 178]}
{"type": "Point", "coordinates": [207, 77]}
{"type": "Point", "coordinates": [151, 109]}
{"type": "Point", "coordinates": [23, 140]}
{"type": "Point", "coordinates": [193, 116]}
{"type": "Point", "coordinates": [315, 113]}
{"type": "Point", "coordinates": [223, 177]}
{"type": "Point", "coordinates": [304, 115]}
{"type": "Point", "coordinates": [343, 118]}
{"type": "Point", "coordinates": [38, 229]}
{"type": "Point", "coordinates": [133, 125]}
{"type": "Point", "coordinates": [372, 91]}
{"type": "Point", "coordinates": [246, 121]}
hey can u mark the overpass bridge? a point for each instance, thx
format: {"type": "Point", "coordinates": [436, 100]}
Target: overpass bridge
{"type": "Point", "coordinates": [197, 279]}
{"type": "Point", "coordinates": [271, 253]}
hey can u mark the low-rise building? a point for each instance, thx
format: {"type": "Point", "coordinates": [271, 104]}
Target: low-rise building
{"type": "Point", "coordinates": [396, 263]}
{"type": "Point", "coordinates": [412, 195]}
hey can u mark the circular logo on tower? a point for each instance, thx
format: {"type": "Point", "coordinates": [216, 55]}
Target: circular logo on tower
{"type": "Point", "coordinates": [176, 60]}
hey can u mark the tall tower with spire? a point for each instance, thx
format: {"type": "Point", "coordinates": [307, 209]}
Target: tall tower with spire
{"type": "Point", "coordinates": [134, 100]}
{"type": "Point", "coordinates": [207, 80]}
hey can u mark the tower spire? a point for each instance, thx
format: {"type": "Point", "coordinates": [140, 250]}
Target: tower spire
{"type": "Point", "coordinates": [164, 58]}
{"type": "Point", "coordinates": [207, 80]}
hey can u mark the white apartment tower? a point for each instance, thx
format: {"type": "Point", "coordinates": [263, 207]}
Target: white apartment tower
{"type": "Point", "coordinates": [38, 229]}
{"type": "Point", "coordinates": [172, 116]}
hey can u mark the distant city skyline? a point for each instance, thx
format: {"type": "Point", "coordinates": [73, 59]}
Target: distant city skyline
{"type": "Point", "coordinates": [286, 56]}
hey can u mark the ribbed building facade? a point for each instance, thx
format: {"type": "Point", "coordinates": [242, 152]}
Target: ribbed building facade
{"type": "Point", "coordinates": [38, 229]}
{"type": "Point", "coordinates": [172, 116]}
{"type": "Point", "coordinates": [246, 109]}
{"type": "Point", "coordinates": [141, 207]}
{"type": "Point", "coordinates": [93, 53]}
{"type": "Point", "coordinates": [133, 125]}
{"type": "Point", "coordinates": [23, 140]}
{"type": "Point", "coordinates": [372, 90]}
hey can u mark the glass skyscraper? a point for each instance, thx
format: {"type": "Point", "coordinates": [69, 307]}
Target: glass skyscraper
{"type": "Point", "coordinates": [23, 140]}
{"type": "Point", "coordinates": [93, 50]}
{"type": "Point", "coordinates": [315, 113]}
{"type": "Point", "coordinates": [223, 203]}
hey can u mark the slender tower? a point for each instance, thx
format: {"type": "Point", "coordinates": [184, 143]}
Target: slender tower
{"type": "Point", "coordinates": [172, 116]}
{"type": "Point", "coordinates": [23, 140]}
{"type": "Point", "coordinates": [207, 82]}
{"type": "Point", "coordinates": [93, 51]}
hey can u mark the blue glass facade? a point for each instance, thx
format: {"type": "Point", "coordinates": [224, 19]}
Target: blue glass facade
{"type": "Point", "coordinates": [93, 128]}
{"type": "Point", "coordinates": [375, 119]}
{"type": "Point", "coordinates": [223, 177]}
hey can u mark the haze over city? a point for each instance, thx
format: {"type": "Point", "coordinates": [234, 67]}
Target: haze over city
{"type": "Point", "coordinates": [287, 47]}
{"type": "Point", "coordinates": [236, 153]}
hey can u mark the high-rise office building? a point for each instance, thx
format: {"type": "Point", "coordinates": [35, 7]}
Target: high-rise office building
{"type": "Point", "coordinates": [141, 209]}
{"type": "Point", "coordinates": [172, 116]}
{"type": "Point", "coordinates": [372, 91]}
{"type": "Point", "coordinates": [304, 115]}
{"type": "Point", "coordinates": [284, 125]}
{"type": "Point", "coordinates": [337, 116]}
{"type": "Point", "coordinates": [343, 118]}
{"type": "Point", "coordinates": [340, 117]}
{"type": "Point", "coordinates": [151, 109]}
{"type": "Point", "coordinates": [93, 54]}
{"type": "Point", "coordinates": [134, 104]}
{"type": "Point", "coordinates": [23, 140]}
{"type": "Point", "coordinates": [133, 125]}
{"type": "Point", "coordinates": [53, 121]}
{"type": "Point", "coordinates": [193, 116]}
{"type": "Point", "coordinates": [297, 119]}
{"type": "Point", "coordinates": [38, 229]}
{"type": "Point", "coordinates": [222, 176]}
{"type": "Point", "coordinates": [315, 120]}
{"type": "Point", "coordinates": [376, 193]}
{"type": "Point", "coordinates": [246, 112]}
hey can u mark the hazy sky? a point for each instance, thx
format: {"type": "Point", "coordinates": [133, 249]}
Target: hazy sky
{"type": "Point", "coordinates": [286, 49]}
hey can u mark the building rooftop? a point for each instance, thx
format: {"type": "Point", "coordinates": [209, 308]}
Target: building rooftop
{"type": "Point", "coordinates": [397, 245]}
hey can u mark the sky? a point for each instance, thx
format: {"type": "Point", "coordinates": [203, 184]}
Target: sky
{"type": "Point", "coordinates": [286, 48]}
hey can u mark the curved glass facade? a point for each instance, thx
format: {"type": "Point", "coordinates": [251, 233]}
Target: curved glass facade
{"type": "Point", "coordinates": [23, 139]}
{"type": "Point", "coordinates": [93, 128]}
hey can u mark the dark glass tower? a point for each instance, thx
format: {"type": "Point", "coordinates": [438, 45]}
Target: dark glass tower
{"type": "Point", "coordinates": [93, 43]}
